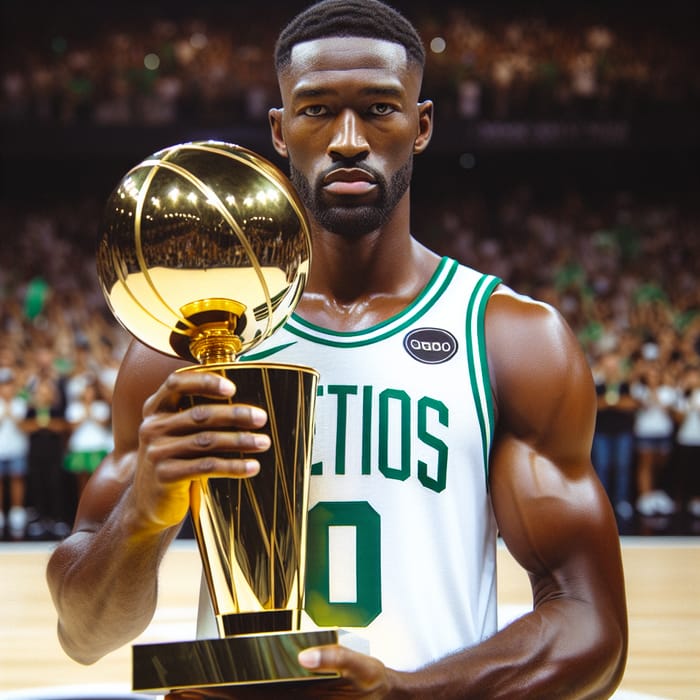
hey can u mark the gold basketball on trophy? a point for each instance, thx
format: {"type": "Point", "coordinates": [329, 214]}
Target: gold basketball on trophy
{"type": "Point", "coordinates": [204, 252]}
{"type": "Point", "coordinates": [203, 240]}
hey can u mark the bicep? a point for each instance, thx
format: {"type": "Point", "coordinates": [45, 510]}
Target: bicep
{"type": "Point", "coordinates": [559, 526]}
{"type": "Point", "coordinates": [557, 523]}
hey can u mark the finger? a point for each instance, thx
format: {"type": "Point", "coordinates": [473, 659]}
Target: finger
{"type": "Point", "coordinates": [225, 415]}
{"type": "Point", "coordinates": [362, 671]}
{"type": "Point", "coordinates": [177, 470]}
{"type": "Point", "coordinates": [212, 417]}
{"type": "Point", "coordinates": [209, 452]}
{"type": "Point", "coordinates": [323, 659]}
{"type": "Point", "coordinates": [166, 445]}
{"type": "Point", "coordinates": [179, 384]}
{"type": "Point", "coordinates": [226, 441]}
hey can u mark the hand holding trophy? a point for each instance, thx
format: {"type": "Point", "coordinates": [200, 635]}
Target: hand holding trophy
{"type": "Point", "coordinates": [204, 253]}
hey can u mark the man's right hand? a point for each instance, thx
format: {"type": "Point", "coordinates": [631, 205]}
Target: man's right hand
{"type": "Point", "coordinates": [177, 446]}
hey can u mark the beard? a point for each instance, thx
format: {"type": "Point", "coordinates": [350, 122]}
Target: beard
{"type": "Point", "coordinates": [358, 220]}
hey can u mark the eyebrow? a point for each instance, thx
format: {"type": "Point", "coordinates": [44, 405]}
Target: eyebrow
{"type": "Point", "coordinates": [370, 91]}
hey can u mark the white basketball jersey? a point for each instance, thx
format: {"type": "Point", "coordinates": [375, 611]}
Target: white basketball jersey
{"type": "Point", "coordinates": [401, 534]}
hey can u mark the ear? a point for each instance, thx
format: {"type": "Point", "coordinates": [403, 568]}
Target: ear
{"type": "Point", "coordinates": [275, 117]}
{"type": "Point", "coordinates": [425, 126]}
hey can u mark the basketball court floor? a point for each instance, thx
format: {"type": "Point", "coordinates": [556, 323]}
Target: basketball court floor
{"type": "Point", "coordinates": [663, 589]}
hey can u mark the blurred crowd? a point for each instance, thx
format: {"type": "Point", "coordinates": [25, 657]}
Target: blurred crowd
{"type": "Point", "coordinates": [623, 270]}
{"type": "Point", "coordinates": [621, 267]}
{"type": "Point", "coordinates": [216, 70]}
{"type": "Point", "coordinates": [59, 355]}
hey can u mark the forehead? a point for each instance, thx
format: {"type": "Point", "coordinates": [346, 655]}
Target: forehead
{"type": "Point", "coordinates": [348, 58]}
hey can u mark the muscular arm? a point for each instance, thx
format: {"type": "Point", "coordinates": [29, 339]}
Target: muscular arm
{"type": "Point", "coordinates": [556, 521]}
{"type": "Point", "coordinates": [103, 577]}
{"type": "Point", "coordinates": [552, 514]}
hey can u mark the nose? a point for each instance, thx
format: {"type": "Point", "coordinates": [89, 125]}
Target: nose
{"type": "Point", "coordinates": [348, 142]}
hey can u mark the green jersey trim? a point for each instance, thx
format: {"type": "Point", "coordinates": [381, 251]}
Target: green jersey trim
{"type": "Point", "coordinates": [426, 299]}
{"type": "Point", "coordinates": [478, 362]}
{"type": "Point", "coordinates": [263, 354]}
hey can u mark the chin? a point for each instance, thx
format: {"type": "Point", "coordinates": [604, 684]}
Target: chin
{"type": "Point", "coordinates": [352, 222]}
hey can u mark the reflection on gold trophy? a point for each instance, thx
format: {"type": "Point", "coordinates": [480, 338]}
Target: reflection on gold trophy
{"type": "Point", "coordinates": [204, 254]}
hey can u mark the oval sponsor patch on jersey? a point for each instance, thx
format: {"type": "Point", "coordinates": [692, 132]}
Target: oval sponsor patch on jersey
{"type": "Point", "coordinates": [430, 345]}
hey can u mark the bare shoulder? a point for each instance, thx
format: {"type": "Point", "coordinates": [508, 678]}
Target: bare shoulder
{"type": "Point", "coordinates": [542, 383]}
{"type": "Point", "coordinates": [525, 333]}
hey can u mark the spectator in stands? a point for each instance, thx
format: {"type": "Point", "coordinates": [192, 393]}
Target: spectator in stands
{"type": "Point", "coordinates": [613, 443]}
{"type": "Point", "coordinates": [47, 429]}
{"type": "Point", "coordinates": [88, 417]}
{"type": "Point", "coordinates": [687, 456]}
{"type": "Point", "coordinates": [13, 456]}
{"type": "Point", "coordinates": [653, 428]}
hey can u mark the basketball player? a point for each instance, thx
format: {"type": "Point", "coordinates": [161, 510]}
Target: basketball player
{"type": "Point", "coordinates": [450, 409]}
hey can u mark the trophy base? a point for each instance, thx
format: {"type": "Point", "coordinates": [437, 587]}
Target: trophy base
{"type": "Point", "coordinates": [241, 659]}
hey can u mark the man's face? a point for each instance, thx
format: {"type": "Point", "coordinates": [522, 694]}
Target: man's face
{"type": "Point", "coordinates": [350, 126]}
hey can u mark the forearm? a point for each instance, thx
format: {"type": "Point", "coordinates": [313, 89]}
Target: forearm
{"type": "Point", "coordinates": [565, 649]}
{"type": "Point", "coordinates": [104, 586]}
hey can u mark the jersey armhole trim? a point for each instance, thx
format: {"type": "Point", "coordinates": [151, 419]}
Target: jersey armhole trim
{"type": "Point", "coordinates": [478, 363]}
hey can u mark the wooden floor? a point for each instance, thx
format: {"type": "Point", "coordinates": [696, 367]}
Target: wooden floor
{"type": "Point", "coordinates": [663, 586]}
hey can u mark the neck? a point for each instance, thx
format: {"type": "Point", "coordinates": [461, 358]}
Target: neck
{"type": "Point", "coordinates": [355, 283]}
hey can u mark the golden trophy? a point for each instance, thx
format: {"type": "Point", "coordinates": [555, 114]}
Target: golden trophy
{"type": "Point", "coordinates": [204, 253]}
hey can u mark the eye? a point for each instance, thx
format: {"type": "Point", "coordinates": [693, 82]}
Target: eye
{"type": "Point", "coordinates": [381, 109]}
{"type": "Point", "coordinates": [315, 111]}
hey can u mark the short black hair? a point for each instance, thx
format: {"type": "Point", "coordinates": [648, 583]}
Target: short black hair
{"type": "Point", "coordinates": [361, 18]}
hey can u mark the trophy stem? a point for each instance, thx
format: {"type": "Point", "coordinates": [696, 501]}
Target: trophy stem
{"type": "Point", "coordinates": [213, 329]}
{"type": "Point", "coordinates": [215, 346]}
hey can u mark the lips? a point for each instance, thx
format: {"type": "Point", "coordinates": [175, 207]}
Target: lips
{"type": "Point", "coordinates": [349, 181]}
